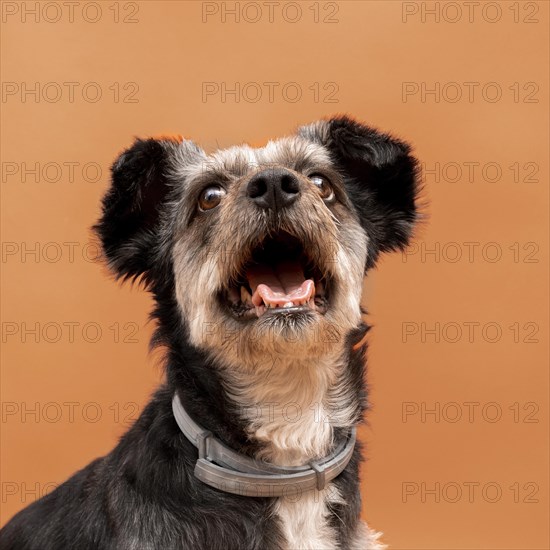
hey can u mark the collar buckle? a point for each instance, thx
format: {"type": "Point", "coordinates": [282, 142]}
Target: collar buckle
{"type": "Point", "coordinates": [202, 443]}
{"type": "Point", "coordinates": [320, 476]}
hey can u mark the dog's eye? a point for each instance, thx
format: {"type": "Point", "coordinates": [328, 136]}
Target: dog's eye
{"type": "Point", "coordinates": [211, 197]}
{"type": "Point", "coordinates": [323, 185]}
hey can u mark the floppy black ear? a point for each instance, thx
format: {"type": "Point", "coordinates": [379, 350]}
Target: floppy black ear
{"type": "Point", "coordinates": [381, 178]}
{"type": "Point", "coordinates": [133, 207]}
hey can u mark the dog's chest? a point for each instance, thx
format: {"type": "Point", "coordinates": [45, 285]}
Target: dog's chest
{"type": "Point", "coordinates": [305, 520]}
{"type": "Point", "coordinates": [292, 420]}
{"type": "Point", "coordinates": [304, 517]}
{"type": "Point", "coordinates": [292, 434]}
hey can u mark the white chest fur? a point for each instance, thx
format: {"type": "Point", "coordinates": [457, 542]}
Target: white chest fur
{"type": "Point", "coordinates": [305, 520]}
{"type": "Point", "coordinates": [293, 410]}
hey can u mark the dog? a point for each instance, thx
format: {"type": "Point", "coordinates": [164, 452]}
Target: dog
{"type": "Point", "coordinates": [255, 258]}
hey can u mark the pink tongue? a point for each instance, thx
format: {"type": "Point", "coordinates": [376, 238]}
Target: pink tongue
{"type": "Point", "coordinates": [283, 284]}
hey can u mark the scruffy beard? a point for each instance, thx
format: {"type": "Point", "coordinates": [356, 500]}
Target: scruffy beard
{"type": "Point", "coordinates": [273, 337]}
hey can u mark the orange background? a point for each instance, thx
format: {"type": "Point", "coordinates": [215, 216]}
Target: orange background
{"type": "Point", "coordinates": [368, 51]}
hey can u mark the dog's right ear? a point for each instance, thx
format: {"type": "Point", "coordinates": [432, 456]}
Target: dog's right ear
{"type": "Point", "coordinates": [133, 207]}
{"type": "Point", "coordinates": [381, 178]}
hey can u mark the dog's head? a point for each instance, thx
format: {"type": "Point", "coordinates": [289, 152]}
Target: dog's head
{"type": "Point", "coordinates": [267, 247]}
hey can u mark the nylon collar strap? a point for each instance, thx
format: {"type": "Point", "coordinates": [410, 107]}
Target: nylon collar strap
{"type": "Point", "coordinates": [226, 470]}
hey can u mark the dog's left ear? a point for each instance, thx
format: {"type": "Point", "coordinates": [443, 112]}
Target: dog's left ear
{"type": "Point", "coordinates": [381, 178]}
{"type": "Point", "coordinates": [137, 204]}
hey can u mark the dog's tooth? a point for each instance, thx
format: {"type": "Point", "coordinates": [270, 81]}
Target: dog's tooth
{"type": "Point", "coordinates": [288, 304]}
{"type": "Point", "coordinates": [245, 295]}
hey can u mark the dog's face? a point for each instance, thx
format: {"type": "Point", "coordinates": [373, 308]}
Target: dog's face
{"type": "Point", "coordinates": [267, 247]}
{"type": "Point", "coordinates": [271, 253]}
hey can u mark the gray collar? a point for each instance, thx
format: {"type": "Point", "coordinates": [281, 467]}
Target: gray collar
{"type": "Point", "coordinates": [232, 472]}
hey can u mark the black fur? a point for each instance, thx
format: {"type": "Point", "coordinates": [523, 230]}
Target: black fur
{"type": "Point", "coordinates": [144, 494]}
{"type": "Point", "coordinates": [132, 208]}
{"type": "Point", "coordinates": [381, 179]}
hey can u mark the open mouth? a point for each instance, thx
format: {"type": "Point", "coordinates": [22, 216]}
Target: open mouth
{"type": "Point", "coordinates": [280, 277]}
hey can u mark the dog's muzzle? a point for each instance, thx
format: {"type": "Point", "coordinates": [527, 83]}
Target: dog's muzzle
{"type": "Point", "coordinates": [281, 275]}
{"type": "Point", "coordinates": [232, 472]}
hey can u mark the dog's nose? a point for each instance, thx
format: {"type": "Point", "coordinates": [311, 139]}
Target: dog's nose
{"type": "Point", "coordinates": [273, 189]}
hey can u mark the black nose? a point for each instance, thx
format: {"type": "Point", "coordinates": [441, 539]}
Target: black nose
{"type": "Point", "coordinates": [274, 188]}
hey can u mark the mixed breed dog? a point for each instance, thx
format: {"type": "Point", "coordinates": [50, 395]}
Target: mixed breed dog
{"type": "Point", "coordinates": [255, 258]}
